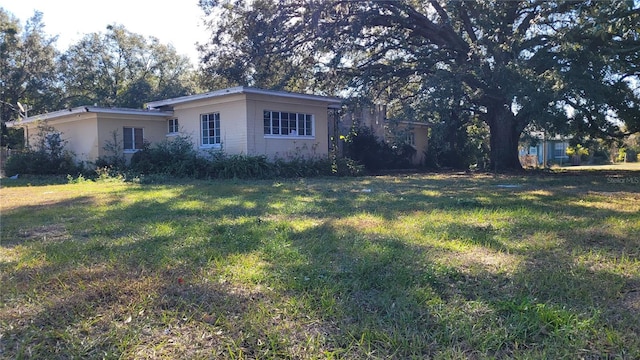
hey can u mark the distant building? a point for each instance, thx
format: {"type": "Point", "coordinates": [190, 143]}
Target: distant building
{"type": "Point", "coordinates": [544, 149]}
{"type": "Point", "coordinates": [397, 131]}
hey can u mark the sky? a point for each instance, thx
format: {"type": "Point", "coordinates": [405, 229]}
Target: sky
{"type": "Point", "coordinates": [175, 22]}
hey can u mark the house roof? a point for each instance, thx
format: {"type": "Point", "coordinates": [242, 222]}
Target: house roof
{"type": "Point", "coordinates": [541, 135]}
{"type": "Point", "coordinates": [332, 102]}
{"type": "Point", "coordinates": [90, 109]}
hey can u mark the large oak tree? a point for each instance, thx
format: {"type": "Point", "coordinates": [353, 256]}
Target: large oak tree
{"type": "Point", "coordinates": [565, 66]}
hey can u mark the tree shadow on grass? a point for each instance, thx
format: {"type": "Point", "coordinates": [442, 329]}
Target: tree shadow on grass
{"type": "Point", "coordinates": [236, 278]}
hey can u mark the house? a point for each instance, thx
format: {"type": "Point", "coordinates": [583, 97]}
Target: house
{"type": "Point", "coordinates": [374, 117]}
{"type": "Point", "coordinates": [544, 150]}
{"type": "Point", "coordinates": [238, 120]}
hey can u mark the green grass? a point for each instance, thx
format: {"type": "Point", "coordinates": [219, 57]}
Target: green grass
{"type": "Point", "coordinates": [419, 266]}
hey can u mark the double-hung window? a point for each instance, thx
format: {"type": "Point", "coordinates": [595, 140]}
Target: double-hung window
{"type": "Point", "coordinates": [278, 123]}
{"type": "Point", "coordinates": [210, 130]}
{"type": "Point", "coordinates": [173, 126]}
{"type": "Point", "coordinates": [133, 139]}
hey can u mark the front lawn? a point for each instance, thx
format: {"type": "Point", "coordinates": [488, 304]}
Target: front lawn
{"type": "Point", "coordinates": [417, 266]}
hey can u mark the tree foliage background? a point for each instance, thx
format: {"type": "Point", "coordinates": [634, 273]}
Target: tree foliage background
{"type": "Point", "coordinates": [111, 68]}
{"type": "Point", "coordinates": [564, 66]}
{"type": "Point", "coordinates": [466, 67]}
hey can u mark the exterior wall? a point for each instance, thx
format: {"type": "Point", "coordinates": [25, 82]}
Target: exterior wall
{"type": "Point", "coordinates": [286, 147]}
{"type": "Point", "coordinates": [233, 122]}
{"type": "Point", "coordinates": [242, 126]}
{"type": "Point", "coordinates": [421, 144]}
{"type": "Point", "coordinates": [88, 133]}
{"type": "Point", "coordinates": [79, 131]}
{"type": "Point", "coordinates": [89, 129]}
{"type": "Point", "coordinates": [154, 130]}
{"type": "Point", "coordinates": [419, 135]}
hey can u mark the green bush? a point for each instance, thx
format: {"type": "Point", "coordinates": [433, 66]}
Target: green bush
{"type": "Point", "coordinates": [363, 146]}
{"type": "Point", "coordinates": [627, 155]}
{"type": "Point", "coordinates": [37, 162]}
{"type": "Point", "coordinates": [47, 157]}
{"type": "Point", "coordinates": [347, 167]}
{"type": "Point", "coordinates": [175, 157]}
{"type": "Point", "coordinates": [239, 167]}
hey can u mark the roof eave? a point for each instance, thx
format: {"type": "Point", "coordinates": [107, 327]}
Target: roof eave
{"type": "Point", "coordinates": [86, 109]}
{"type": "Point", "coordinates": [330, 101]}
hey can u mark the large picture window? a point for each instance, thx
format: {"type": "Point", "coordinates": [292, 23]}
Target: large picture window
{"type": "Point", "coordinates": [287, 124]}
{"type": "Point", "coordinates": [210, 126]}
{"type": "Point", "coordinates": [133, 139]}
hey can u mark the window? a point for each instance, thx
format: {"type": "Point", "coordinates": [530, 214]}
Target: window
{"type": "Point", "coordinates": [288, 124]}
{"type": "Point", "coordinates": [210, 125]}
{"type": "Point", "coordinates": [133, 139]}
{"type": "Point", "coordinates": [560, 150]}
{"type": "Point", "coordinates": [410, 138]}
{"type": "Point", "coordinates": [173, 126]}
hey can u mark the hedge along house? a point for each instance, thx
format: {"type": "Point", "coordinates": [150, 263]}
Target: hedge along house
{"type": "Point", "coordinates": [237, 120]}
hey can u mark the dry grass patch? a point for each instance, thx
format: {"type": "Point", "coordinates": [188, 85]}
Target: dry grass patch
{"type": "Point", "coordinates": [420, 266]}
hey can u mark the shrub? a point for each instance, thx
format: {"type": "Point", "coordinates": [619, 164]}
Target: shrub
{"type": "Point", "coordinates": [114, 158]}
{"type": "Point", "coordinates": [175, 157]}
{"type": "Point", "coordinates": [41, 163]}
{"type": "Point", "coordinates": [626, 155]}
{"type": "Point", "coordinates": [48, 157]}
{"type": "Point", "coordinates": [347, 167]}
{"type": "Point", "coordinates": [364, 147]}
{"type": "Point", "coordinates": [240, 167]}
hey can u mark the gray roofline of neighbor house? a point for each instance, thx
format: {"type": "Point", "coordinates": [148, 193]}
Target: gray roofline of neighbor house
{"type": "Point", "coordinates": [333, 102]}
{"type": "Point", "coordinates": [82, 109]}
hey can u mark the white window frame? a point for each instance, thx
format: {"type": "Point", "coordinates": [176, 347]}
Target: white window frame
{"type": "Point", "coordinates": [410, 138]}
{"type": "Point", "coordinates": [216, 143]}
{"type": "Point", "coordinates": [132, 132]}
{"type": "Point", "coordinates": [173, 126]}
{"type": "Point", "coordinates": [274, 125]}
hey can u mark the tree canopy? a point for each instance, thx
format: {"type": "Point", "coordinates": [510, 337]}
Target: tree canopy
{"type": "Point", "coordinates": [27, 66]}
{"type": "Point", "coordinates": [120, 68]}
{"type": "Point", "coordinates": [563, 66]}
{"type": "Point", "coordinates": [113, 68]}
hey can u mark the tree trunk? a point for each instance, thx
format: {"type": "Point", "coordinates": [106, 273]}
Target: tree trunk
{"type": "Point", "coordinates": [504, 136]}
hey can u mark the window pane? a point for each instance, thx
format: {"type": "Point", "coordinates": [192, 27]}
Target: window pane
{"type": "Point", "coordinates": [128, 138]}
{"type": "Point", "coordinates": [284, 124]}
{"type": "Point", "coordinates": [138, 138]}
{"type": "Point", "coordinates": [308, 126]}
{"type": "Point", "coordinates": [276, 125]}
{"type": "Point", "coordinates": [267, 123]}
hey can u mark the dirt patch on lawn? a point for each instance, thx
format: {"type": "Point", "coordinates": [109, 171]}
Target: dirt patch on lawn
{"type": "Point", "coordinates": [46, 233]}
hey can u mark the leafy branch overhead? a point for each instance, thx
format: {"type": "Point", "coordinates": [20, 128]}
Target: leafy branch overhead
{"type": "Point", "coordinates": [564, 66]}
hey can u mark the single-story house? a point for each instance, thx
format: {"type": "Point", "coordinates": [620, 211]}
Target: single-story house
{"type": "Point", "coordinates": [545, 150]}
{"type": "Point", "coordinates": [238, 120]}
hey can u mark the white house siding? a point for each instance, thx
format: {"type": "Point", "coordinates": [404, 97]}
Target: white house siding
{"type": "Point", "coordinates": [286, 147]}
{"type": "Point", "coordinates": [154, 129]}
{"type": "Point", "coordinates": [78, 130]}
{"type": "Point", "coordinates": [233, 121]}
{"type": "Point", "coordinates": [87, 133]}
